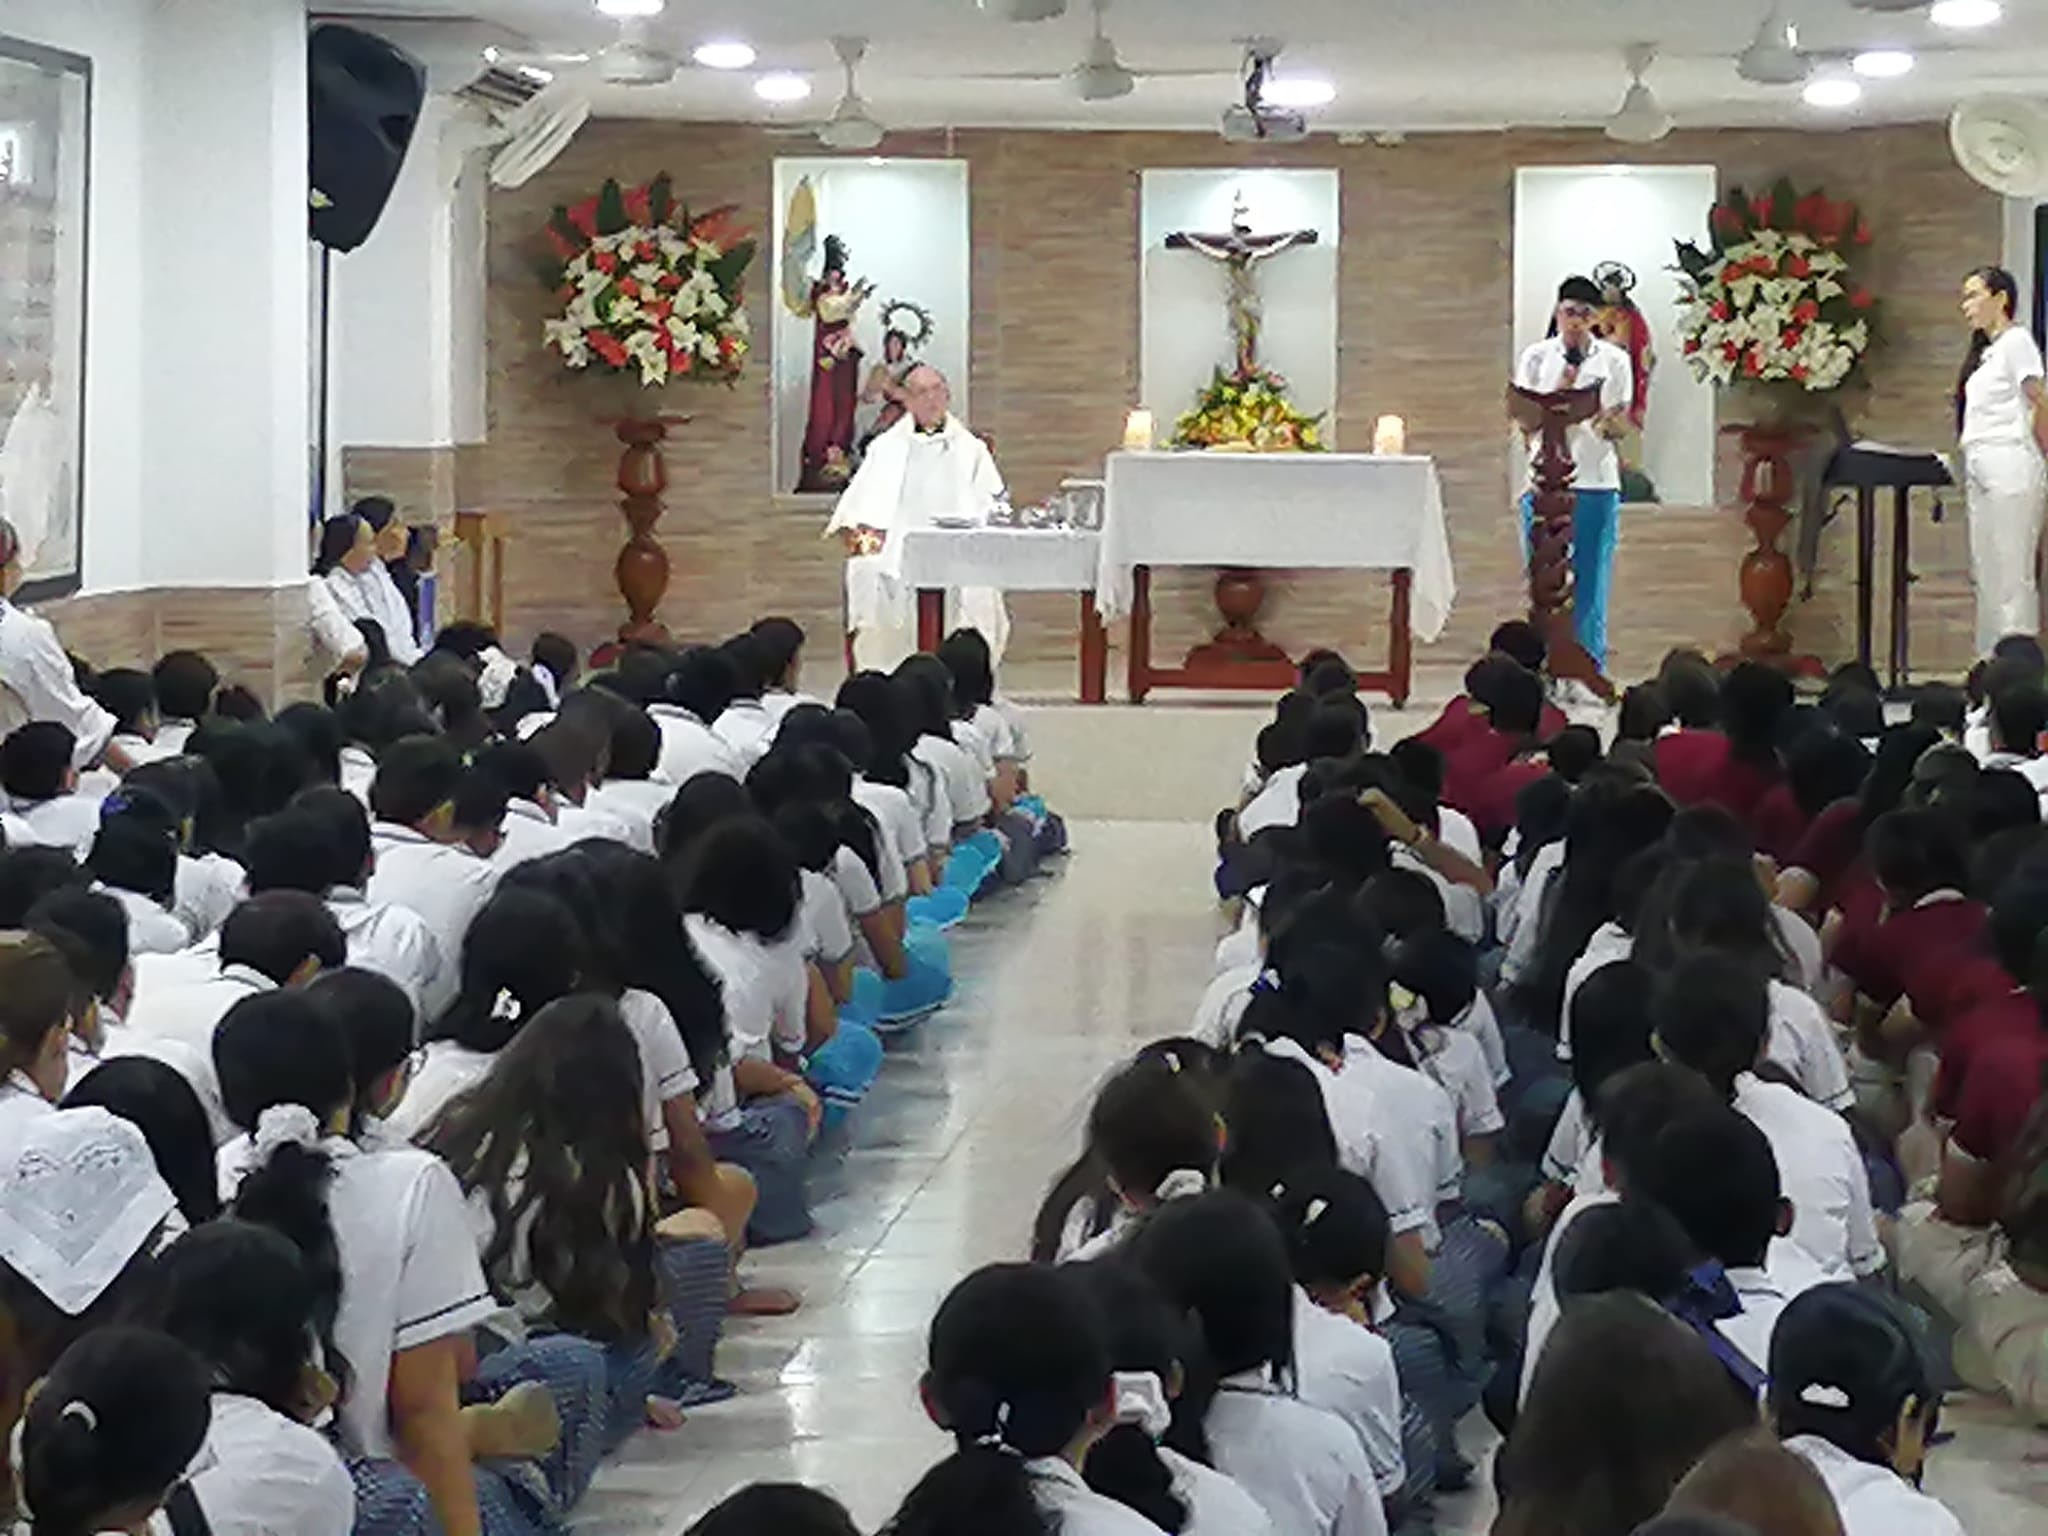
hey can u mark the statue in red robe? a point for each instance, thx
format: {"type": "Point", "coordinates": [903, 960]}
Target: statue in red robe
{"type": "Point", "coordinates": [835, 374]}
{"type": "Point", "coordinates": [1623, 323]}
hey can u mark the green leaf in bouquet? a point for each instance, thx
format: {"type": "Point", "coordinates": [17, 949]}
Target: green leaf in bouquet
{"type": "Point", "coordinates": [611, 208]}
{"type": "Point", "coordinates": [661, 198]}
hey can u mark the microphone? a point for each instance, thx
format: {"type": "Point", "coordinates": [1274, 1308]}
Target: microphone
{"type": "Point", "coordinates": [1574, 356]}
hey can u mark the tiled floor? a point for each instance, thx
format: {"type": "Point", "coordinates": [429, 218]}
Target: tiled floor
{"type": "Point", "coordinates": [972, 1117]}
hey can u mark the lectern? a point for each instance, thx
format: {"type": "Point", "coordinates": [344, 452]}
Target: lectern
{"type": "Point", "coordinates": [1551, 416]}
{"type": "Point", "coordinates": [1866, 470]}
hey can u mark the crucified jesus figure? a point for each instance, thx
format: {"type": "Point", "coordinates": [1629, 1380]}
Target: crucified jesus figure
{"type": "Point", "coordinates": [1240, 251]}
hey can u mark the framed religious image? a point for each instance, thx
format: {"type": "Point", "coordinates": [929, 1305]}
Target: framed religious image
{"type": "Point", "coordinates": [45, 140]}
{"type": "Point", "coordinates": [872, 277]}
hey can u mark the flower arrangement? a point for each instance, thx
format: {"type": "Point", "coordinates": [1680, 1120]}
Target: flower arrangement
{"type": "Point", "coordinates": [1772, 300]}
{"type": "Point", "coordinates": [1248, 412]}
{"type": "Point", "coordinates": [646, 287]}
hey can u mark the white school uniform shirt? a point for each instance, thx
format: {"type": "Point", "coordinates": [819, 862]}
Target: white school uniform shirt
{"type": "Point", "coordinates": [1277, 804]}
{"type": "Point", "coordinates": [934, 808]}
{"type": "Point", "coordinates": [827, 929]}
{"type": "Point", "coordinates": [1610, 943]}
{"type": "Point", "coordinates": [896, 815]}
{"type": "Point", "coordinates": [2033, 769]}
{"type": "Point", "coordinates": [530, 833]}
{"type": "Point", "coordinates": [1522, 925]}
{"type": "Point", "coordinates": [152, 929]}
{"type": "Point", "coordinates": [764, 986]}
{"type": "Point", "coordinates": [1304, 1465]}
{"type": "Point", "coordinates": [1996, 410]}
{"type": "Point", "coordinates": [444, 884]}
{"type": "Point", "coordinates": [259, 1473]}
{"type": "Point", "coordinates": [1765, 1293]}
{"type": "Point", "coordinates": [1542, 367]}
{"type": "Point", "coordinates": [1573, 1156]}
{"type": "Point", "coordinates": [1392, 1153]}
{"type": "Point", "coordinates": [633, 804]}
{"type": "Point", "coordinates": [1464, 907]}
{"type": "Point", "coordinates": [1802, 1041]}
{"type": "Point", "coordinates": [396, 943]}
{"type": "Point", "coordinates": [1874, 1500]}
{"type": "Point", "coordinates": [358, 772]}
{"type": "Point", "coordinates": [1223, 1003]}
{"type": "Point", "coordinates": [189, 1012]}
{"type": "Point", "coordinates": [1802, 943]}
{"type": "Point", "coordinates": [1347, 1369]}
{"type": "Point", "coordinates": [172, 732]}
{"type": "Point", "coordinates": [1075, 1508]}
{"type": "Point", "coordinates": [1243, 944]}
{"type": "Point", "coordinates": [979, 745]}
{"type": "Point", "coordinates": [865, 890]}
{"type": "Point", "coordinates": [748, 728]}
{"type": "Point", "coordinates": [64, 821]}
{"type": "Point", "coordinates": [1479, 1022]}
{"type": "Point", "coordinates": [963, 784]}
{"type": "Point", "coordinates": [1544, 1305]}
{"type": "Point", "coordinates": [1821, 1173]}
{"type": "Point", "coordinates": [690, 747]}
{"type": "Point", "coordinates": [208, 887]}
{"type": "Point", "coordinates": [142, 749]}
{"type": "Point", "coordinates": [21, 1105]}
{"type": "Point", "coordinates": [36, 683]}
{"type": "Point", "coordinates": [409, 1271]}
{"type": "Point", "coordinates": [1216, 1505]}
{"type": "Point", "coordinates": [1004, 735]}
{"type": "Point", "coordinates": [1452, 1060]}
{"type": "Point", "coordinates": [1456, 832]}
{"type": "Point", "coordinates": [443, 1071]}
{"type": "Point", "coordinates": [665, 1070]}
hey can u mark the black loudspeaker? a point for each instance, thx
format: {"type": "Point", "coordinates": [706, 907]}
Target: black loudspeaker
{"type": "Point", "coordinates": [363, 98]}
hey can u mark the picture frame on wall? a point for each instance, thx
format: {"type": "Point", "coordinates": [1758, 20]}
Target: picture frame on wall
{"type": "Point", "coordinates": [45, 180]}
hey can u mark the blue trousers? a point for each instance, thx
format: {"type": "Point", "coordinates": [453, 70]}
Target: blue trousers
{"type": "Point", "coordinates": [1596, 515]}
{"type": "Point", "coordinates": [771, 1142]}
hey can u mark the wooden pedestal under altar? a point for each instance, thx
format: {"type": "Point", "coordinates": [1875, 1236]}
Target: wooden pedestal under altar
{"type": "Point", "coordinates": [1251, 512]}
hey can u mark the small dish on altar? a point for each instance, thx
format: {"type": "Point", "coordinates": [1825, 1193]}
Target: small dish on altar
{"type": "Point", "coordinates": [953, 521]}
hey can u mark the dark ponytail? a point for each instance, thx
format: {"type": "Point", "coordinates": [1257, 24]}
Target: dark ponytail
{"type": "Point", "coordinates": [1995, 280]}
{"type": "Point", "coordinates": [1146, 1338]}
{"type": "Point", "coordinates": [117, 1422]}
{"type": "Point", "coordinates": [1018, 1365]}
{"type": "Point", "coordinates": [284, 1069]}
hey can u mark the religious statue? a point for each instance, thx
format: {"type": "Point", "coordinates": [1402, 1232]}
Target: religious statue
{"type": "Point", "coordinates": [901, 340]}
{"type": "Point", "coordinates": [834, 302]}
{"type": "Point", "coordinates": [1622, 322]}
{"type": "Point", "coordinates": [1240, 251]}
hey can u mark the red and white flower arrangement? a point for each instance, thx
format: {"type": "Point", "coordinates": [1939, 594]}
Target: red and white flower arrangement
{"type": "Point", "coordinates": [1773, 299]}
{"type": "Point", "coordinates": [647, 288]}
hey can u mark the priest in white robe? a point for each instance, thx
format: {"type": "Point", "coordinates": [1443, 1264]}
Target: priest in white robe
{"type": "Point", "coordinates": [927, 467]}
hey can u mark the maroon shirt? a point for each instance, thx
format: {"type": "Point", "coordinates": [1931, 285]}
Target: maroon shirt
{"type": "Point", "coordinates": [1999, 1090]}
{"type": "Point", "coordinates": [1908, 948]}
{"type": "Point", "coordinates": [1830, 848]}
{"type": "Point", "coordinates": [2001, 1016]}
{"type": "Point", "coordinates": [1778, 824]}
{"type": "Point", "coordinates": [1493, 811]}
{"type": "Point", "coordinates": [1467, 770]}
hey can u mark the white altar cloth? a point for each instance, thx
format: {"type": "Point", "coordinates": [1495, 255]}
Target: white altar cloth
{"type": "Point", "coordinates": [1011, 559]}
{"type": "Point", "coordinates": [1278, 511]}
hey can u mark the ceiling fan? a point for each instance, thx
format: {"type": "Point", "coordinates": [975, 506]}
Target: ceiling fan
{"type": "Point", "coordinates": [1025, 10]}
{"type": "Point", "coordinates": [1101, 75]}
{"type": "Point", "coordinates": [851, 125]}
{"type": "Point", "coordinates": [1641, 118]}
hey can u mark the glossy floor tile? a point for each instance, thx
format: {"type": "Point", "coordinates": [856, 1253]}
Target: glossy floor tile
{"type": "Point", "coordinates": [943, 1168]}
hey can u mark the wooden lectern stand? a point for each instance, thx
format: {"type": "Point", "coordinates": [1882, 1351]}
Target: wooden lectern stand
{"type": "Point", "coordinates": [1550, 539]}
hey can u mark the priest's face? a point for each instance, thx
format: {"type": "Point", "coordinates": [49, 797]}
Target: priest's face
{"type": "Point", "coordinates": [926, 394]}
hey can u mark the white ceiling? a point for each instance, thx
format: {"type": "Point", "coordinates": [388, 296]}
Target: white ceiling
{"type": "Point", "coordinates": [1398, 64]}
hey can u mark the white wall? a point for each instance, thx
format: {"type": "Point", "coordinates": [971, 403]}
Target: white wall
{"type": "Point", "coordinates": [2018, 255]}
{"type": "Point", "coordinates": [196, 469]}
{"type": "Point", "coordinates": [905, 223]}
{"type": "Point", "coordinates": [1568, 219]}
{"type": "Point", "coordinates": [1186, 333]}
{"type": "Point", "coordinates": [112, 34]}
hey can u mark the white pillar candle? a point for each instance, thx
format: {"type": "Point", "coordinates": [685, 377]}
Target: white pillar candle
{"type": "Point", "coordinates": [1138, 431]}
{"type": "Point", "coordinates": [1390, 435]}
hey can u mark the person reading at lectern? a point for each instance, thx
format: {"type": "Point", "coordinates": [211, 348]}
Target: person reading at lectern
{"type": "Point", "coordinates": [1574, 357]}
{"type": "Point", "coordinates": [2002, 420]}
{"type": "Point", "coordinates": [927, 467]}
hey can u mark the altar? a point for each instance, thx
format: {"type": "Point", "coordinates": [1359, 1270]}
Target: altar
{"type": "Point", "coordinates": [1280, 511]}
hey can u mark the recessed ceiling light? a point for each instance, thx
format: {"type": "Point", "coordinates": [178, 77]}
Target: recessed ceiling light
{"type": "Point", "coordinates": [1882, 63]}
{"type": "Point", "coordinates": [1963, 14]}
{"type": "Point", "coordinates": [491, 54]}
{"type": "Point", "coordinates": [1831, 91]}
{"type": "Point", "coordinates": [536, 74]}
{"type": "Point", "coordinates": [724, 55]}
{"type": "Point", "coordinates": [631, 7]}
{"type": "Point", "coordinates": [1299, 91]}
{"type": "Point", "coordinates": [782, 87]}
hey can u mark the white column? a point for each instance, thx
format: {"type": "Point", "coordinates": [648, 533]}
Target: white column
{"type": "Point", "coordinates": [224, 345]}
{"type": "Point", "coordinates": [408, 305]}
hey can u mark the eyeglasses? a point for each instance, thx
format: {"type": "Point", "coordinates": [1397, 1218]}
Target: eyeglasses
{"type": "Point", "coordinates": [1576, 311]}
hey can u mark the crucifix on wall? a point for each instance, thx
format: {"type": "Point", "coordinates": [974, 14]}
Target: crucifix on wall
{"type": "Point", "coordinates": [1240, 251]}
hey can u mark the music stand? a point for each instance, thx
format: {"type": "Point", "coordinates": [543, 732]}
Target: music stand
{"type": "Point", "coordinates": [1551, 606]}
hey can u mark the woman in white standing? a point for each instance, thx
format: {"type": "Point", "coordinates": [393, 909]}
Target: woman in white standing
{"type": "Point", "coordinates": [2002, 413]}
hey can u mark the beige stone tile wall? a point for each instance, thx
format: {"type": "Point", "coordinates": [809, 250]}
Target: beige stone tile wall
{"type": "Point", "coordinates": [257, 636]}
{"type": "Point", "coordinates": [1425, 312]}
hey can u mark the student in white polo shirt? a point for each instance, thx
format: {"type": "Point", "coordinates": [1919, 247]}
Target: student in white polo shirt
{"type": "Point", "coordinates": [1716, 1019]}
{"type": "Point", "coordinates": [38, 1000]}
{"type": "Point", "coordinates": [1220, 1259]}
{"type": "Point", "coordinates": [629, 793]}
{"type": "Point", "coordinates": [746, 724]}
{"type": "Point", "coordinates": [320, 844]}
{"type": "Point", "coordinates": [416, 837]}
{"type": "Point", "coordinates": [696, 693]}
{"type": "Point", "coordinates": [533, 824]}
{"type": "Point", "coordinates": [398, 1268]}
{"type": "Point", "coordinates": [41, 787]}
{"type": "Point", "coordinates": [240, 1297]}
{"type": "Point", "coordinates": [1574, 357]}
{"type": "Point", "coordinates": [1851, 1393]}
